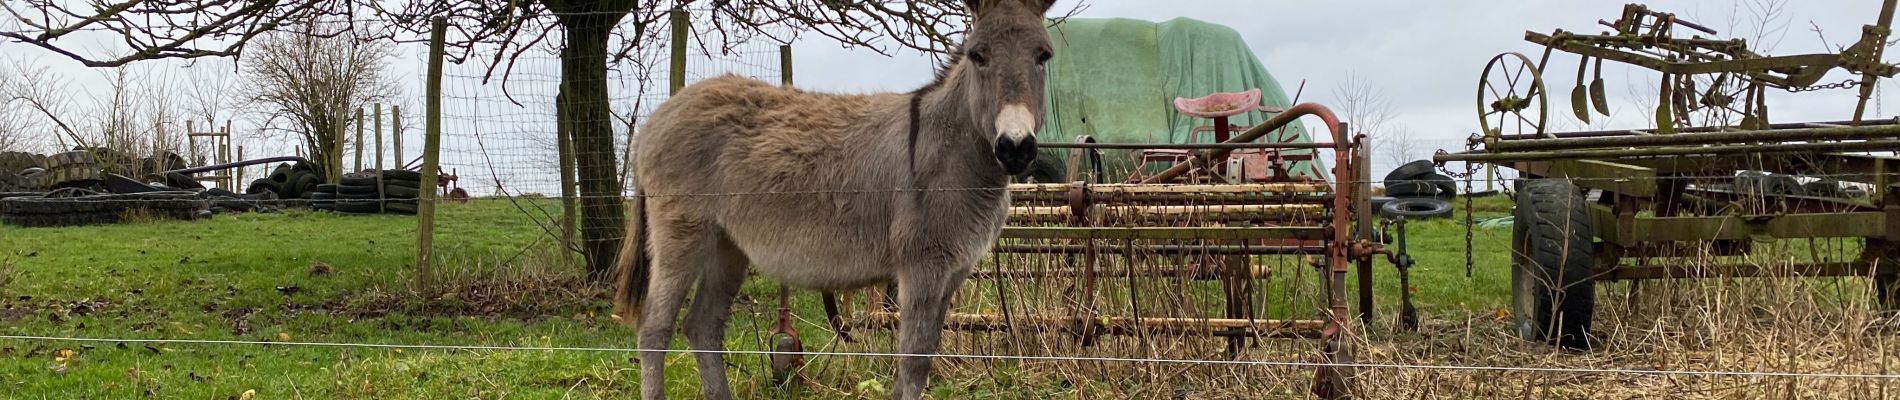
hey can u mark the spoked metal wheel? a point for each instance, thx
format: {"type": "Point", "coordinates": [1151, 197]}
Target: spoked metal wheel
{"type": "Point", "coordinates": [1726, 99]}
{"type": "Point", "coordinates": [1511, 98]}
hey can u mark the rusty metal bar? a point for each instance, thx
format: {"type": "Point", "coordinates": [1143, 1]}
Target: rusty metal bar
{"type": "Point", "coordinates": [1700, 129]}
{"type": "Point", "coordinates": [1187, 146]}
{"type": "Point", "coordinates": [1209, 233]}
{"type": "Point", "coordinates": [1166, 249]}
{"type": "Point", "coordinates": [1481, 156]}
{"type": "Point", "coordinates": [1176, 271]}
{"type": "Point", "coordinates": [1772, 135]}
{"type": "Point", "coordinates": [1124, 188]}
{"type": "Point", "coordinates": [1210, 211]}
{"type": "Point", "coordinates": [1340, 139]}
{"type": "Point", "coordinates": [1833, 269]}
{"type": "Point", "coordinates": [1121, 326]}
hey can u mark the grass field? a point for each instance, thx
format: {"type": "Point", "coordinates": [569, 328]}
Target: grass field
{"type": "Point", "coordinates": [312, 277]}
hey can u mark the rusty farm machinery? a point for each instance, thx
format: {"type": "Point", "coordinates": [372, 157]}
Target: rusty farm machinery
{"type": "Point", "coordinates": [1207, 249]}
{"type": "Point", "coordinates": [1668, 202]}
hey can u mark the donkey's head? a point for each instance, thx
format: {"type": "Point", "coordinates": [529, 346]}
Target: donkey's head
{"type": "Point", "coordinates": [1002, 58]}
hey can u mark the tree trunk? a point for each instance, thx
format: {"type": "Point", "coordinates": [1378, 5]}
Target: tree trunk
{"type": "Point", "coordinates": [584, 101]}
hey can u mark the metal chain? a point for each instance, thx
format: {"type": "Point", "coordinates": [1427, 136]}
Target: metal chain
{"type": "Point", "coordinates": [1469, 176]}
{"type": "Point", "coordinates": [1845, 84]}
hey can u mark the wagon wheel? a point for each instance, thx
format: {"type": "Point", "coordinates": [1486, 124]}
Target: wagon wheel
{"type": "Point", "coordinates": [1511, 96]}
{"type": "Point", "coordinates": [1726, 99]}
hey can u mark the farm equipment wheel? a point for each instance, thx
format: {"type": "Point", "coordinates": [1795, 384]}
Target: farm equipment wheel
{"type": "Point", "coordinates": [15, 161]}
{"type": "Point", "coordinates": [1553, 292]}
{"type": "Point", "coordinates": [1511, 96]}
{"type": "Point", "coordinates": [1416, 208]}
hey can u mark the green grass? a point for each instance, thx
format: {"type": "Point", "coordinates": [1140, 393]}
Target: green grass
{"type": "Point", "coordinates": [250, 277]}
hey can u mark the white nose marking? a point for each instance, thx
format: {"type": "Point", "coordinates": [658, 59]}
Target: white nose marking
{"type": "Point", "coordinates": [1015, 122]}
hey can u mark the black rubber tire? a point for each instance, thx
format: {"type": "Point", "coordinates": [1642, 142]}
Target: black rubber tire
{"type": "Point", "coordinates": [182, 181]}
{"type": "Point", "coordinates": [301, 185]}
{"type": "Point", "coordinates": [171, 200]}
{"type": "Point", "coordinates": [348, 189]}
{"type": "Point", "coordinates": [400, 192]}
{"type": "Point", "coordinates": [1445, 186]}
{"type": "Point", "coordinates": [16, 161]}
{"type": "Point", "coordinates": [362, 181]}
{"type": "Point", "coordinates": [1416, 208]}
{"type": "Point", "coordinates": [342, 195]}
{"type": "Point", "coordinates": [1378, 202]}
{"type": "Point", "coordinates": [325, 188]}
{"type": "Point", "coordinates": [5, 195]}
{"type": "Point", "coordinates": [395, 207]}
{"type": "Point", "coordinates": [116, 183]}
{"type": "Point", "coordinates": [56, 220]}
{"type": "Point", "coordinates": [261, 186]}
{"type": "Point", "coordinates": [1553, 290]}
{"type": "Point", "coordinates": [358, 206]}
{"type": "Point", "coordinates": [368, 178]}
{"type": "Point", "coordinates": [1406, 189]}
{"type": "Point", "coordinates": [1411, 171]}
{"type": "Point", "coordinates": [16, 183]}
{"type": "Point", "coordinates": [402, 175]}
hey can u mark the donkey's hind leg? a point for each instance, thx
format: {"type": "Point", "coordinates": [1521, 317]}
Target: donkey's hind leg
{"type": "Point", "coordinates": [706, 319]}
{"type": "Point", "coordinates": [681, 249]}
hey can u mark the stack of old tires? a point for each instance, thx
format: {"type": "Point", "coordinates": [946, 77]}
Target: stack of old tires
{"type": "Point", "coordinates": [76, 206]}
{"type": "Point", "coordinates": [289, 181]}
{"type": "Point", "coordinates": [1416, 191]}
{"type": "Point", "coordinates": [370, 192]}
{"type": "Point", "coordinates": [27, 172]}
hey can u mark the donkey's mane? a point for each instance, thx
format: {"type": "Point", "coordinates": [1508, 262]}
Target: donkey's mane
{"type": "Point", "coordinates": [917, 101]}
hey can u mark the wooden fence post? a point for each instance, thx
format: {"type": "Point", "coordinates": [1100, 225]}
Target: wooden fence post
{"type": "Point", "coordinates": [359, 139]}
{"type": "Point", "coordinates": [676, 77]}
{"type": "Point", "coordinates": [395, 135]}
{"type": "Point", "coordinates": [431, 141]}
{"type": "Point", "coordinates": [379, 137]}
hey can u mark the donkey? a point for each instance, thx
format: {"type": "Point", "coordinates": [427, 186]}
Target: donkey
{"type": "Point", "coordinates": [831, 192]}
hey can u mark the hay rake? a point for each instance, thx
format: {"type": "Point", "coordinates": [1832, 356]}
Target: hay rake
{"type": "Point", "coordinates": [1192, 252]}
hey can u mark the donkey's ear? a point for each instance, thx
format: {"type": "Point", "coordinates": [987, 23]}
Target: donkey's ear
{"type": "Point", "coordinates": [973, 5]}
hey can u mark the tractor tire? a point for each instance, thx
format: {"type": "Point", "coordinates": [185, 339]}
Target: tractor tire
{"type": "Point", "coordinates": [400, 192]}
{"type": "Point", "coordinates": [15, 161]}
{"type": "Point", "coordinates": [358, 206]}
{"type": "Point", "coordinates": [348, 189]}
{"type": "Point", "coordinates": [1411, 171]}
{"type": "Point", "coordinates": [1410, 188]}
{"type": "Point", "coordinates": [325, 188]}
{"type": "Point", "coordinates": [301, 185]}
{"type": "Point", "coordinates": [261, 186]}
{"type": "Point", "coordinates": [1553, 289]}
{"type": "Point", "coordinates": [1416, 208]}
{"type": "Point", "coordinates": [16, 183]}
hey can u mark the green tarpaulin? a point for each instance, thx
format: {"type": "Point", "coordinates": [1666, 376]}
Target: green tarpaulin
{"type": "Point", "coordinates": [1116, 80]}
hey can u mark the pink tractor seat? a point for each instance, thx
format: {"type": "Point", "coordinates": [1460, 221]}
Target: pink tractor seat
{"type": "Point", "coordinates": [1219, 104]}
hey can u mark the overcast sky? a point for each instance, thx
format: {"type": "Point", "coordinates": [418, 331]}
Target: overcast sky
{"type": "Point", "coordinates": [1424, 56]}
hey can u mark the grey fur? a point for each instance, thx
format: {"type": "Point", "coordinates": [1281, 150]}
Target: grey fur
{"type": "Point", "coordinates": [830, 193]}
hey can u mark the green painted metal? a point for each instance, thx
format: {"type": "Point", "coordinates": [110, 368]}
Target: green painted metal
{"type": "Point", "coordinates": [1115, 79]}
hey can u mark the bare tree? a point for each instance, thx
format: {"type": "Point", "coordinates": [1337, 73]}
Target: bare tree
{"type": "Point", "coordinates": [16, 119]}
{"type": "Point", "coordinates": [591, 38]}
{"type": "Point", "coordinates": [315, 84]}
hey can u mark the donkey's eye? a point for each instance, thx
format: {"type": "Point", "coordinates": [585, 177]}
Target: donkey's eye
{"type": "Point", "coordinates": [1043, 58]}
{"type": "Point", "coordinates": [979, 59]}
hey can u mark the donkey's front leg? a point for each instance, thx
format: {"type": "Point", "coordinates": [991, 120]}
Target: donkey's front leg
{"type": "Point", "coordinates": [923, 300]}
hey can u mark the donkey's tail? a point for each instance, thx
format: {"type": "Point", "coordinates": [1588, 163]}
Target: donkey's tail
{"type": "Point", "coordinates": [634, 264]}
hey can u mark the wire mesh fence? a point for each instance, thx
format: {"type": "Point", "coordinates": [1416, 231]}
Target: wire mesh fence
{"type": "Point", "coordinates": [1040, 316]}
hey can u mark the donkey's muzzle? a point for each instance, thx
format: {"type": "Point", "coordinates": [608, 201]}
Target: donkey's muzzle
{"type": "Point", "coordinates": [1016, 154]}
